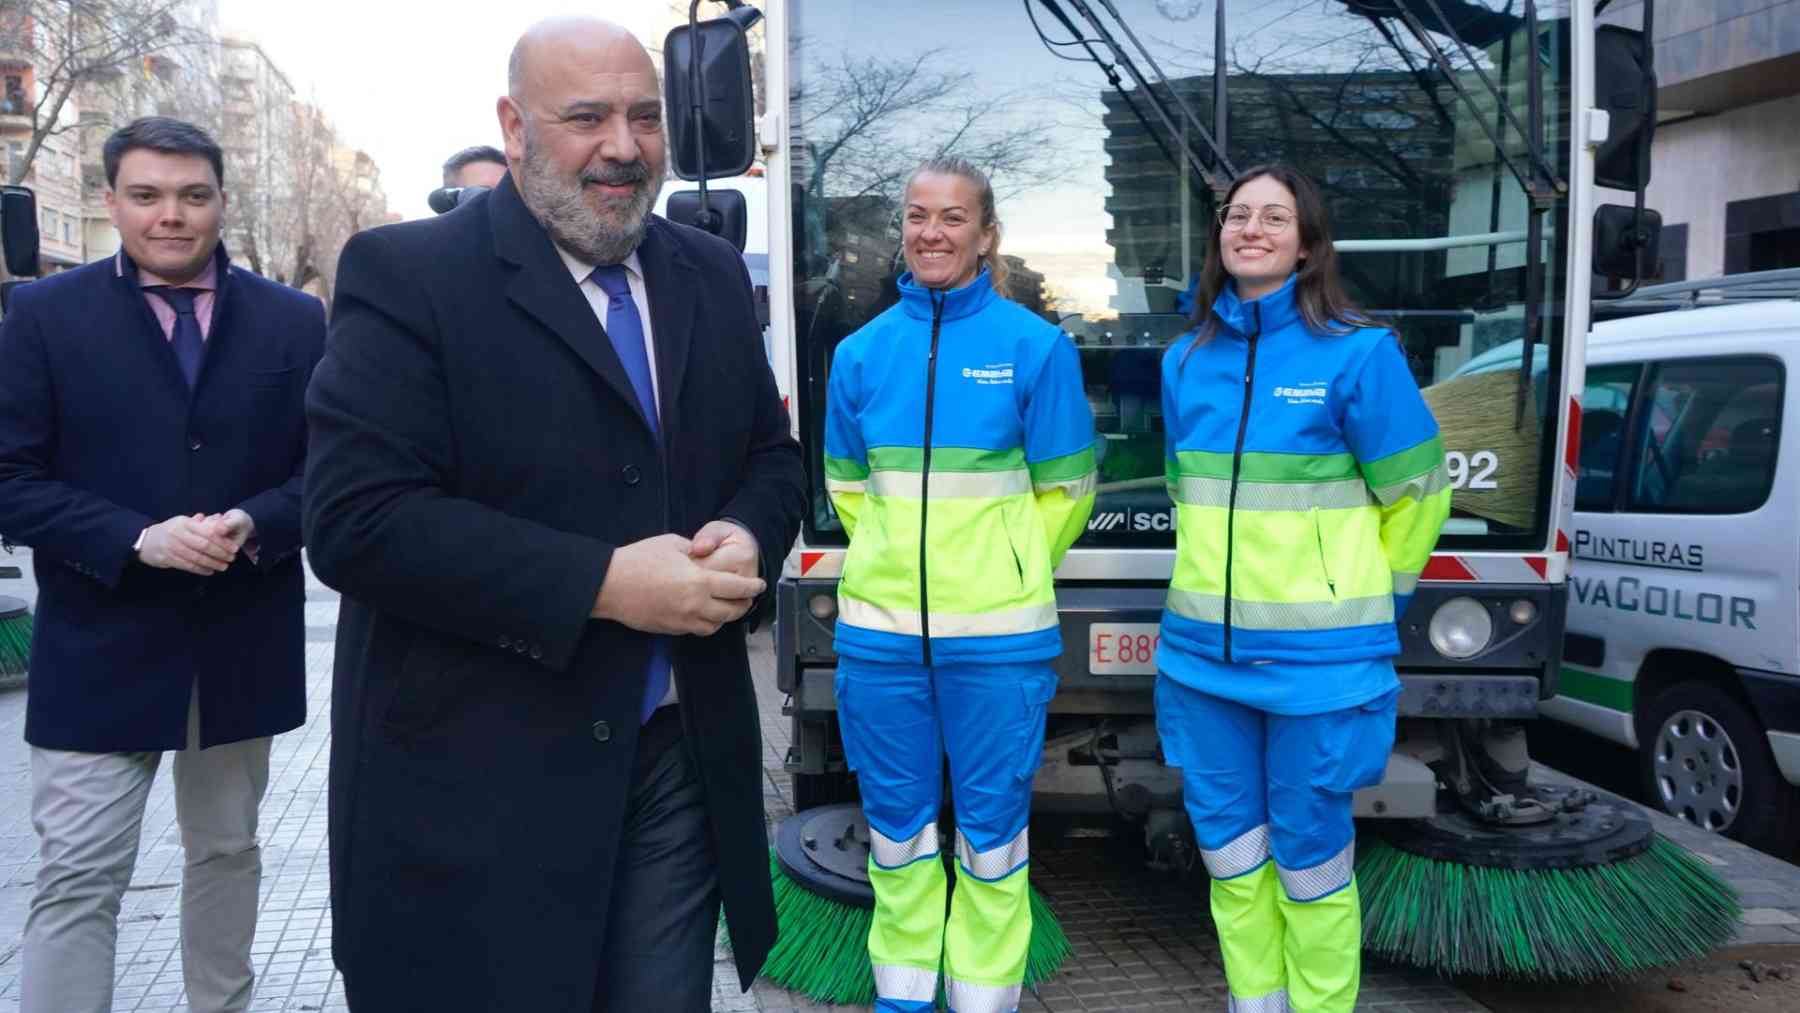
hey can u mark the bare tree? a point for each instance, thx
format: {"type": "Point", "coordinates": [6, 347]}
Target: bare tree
{"type": "Point", "coordinates": [864, 123]}
{"type": "Point", "coordinates": [71, 43]}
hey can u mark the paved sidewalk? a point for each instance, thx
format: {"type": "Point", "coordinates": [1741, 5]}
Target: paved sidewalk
{"type": "Point", "coordinates": [1141, 942]}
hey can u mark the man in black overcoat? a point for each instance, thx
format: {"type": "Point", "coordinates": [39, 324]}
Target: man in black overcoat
{"type": "Point", "coordinates": [552, 476]}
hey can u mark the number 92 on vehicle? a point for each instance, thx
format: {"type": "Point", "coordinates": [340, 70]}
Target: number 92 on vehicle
{"type": "Point", "coordinates": [1122, 648]}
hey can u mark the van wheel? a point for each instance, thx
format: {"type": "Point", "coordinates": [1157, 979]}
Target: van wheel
{"type": "Point", "coordinates": [1704, 758]}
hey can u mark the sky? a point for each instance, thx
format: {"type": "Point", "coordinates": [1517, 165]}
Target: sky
{"type": "Point", "coordinates": [410, 81]}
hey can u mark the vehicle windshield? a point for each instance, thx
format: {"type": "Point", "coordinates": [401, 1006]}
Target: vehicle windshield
{"type": "Point", "coordinates": [1106, 228]}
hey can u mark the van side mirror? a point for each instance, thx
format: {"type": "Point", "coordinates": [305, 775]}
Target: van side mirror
{"type": "Point", "coordinates": [711, 107]}
{"type": "Point", "coordinates": [19, 230]}
{"type": "Point", "coordinates": [1619, 234]}
{"type": "Point", "coordinates": [731, 221]}
{"type": "Point", "coordinates": [1624, 86]}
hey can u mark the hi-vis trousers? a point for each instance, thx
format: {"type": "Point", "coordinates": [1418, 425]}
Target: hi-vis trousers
{"type": "Point", "coordinates": [1270, 797]}
{"type": "Point", "coordinates": [899, 721]}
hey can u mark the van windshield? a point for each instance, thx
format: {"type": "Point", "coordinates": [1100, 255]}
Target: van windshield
{"type": "Point", "coordinates": [1106, 225]}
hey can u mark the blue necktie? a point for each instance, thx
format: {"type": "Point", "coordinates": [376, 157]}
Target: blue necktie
{"type": "Point", "coordinates": [626, 330]}
{"type": "Point", "coordinates": [186, 339]}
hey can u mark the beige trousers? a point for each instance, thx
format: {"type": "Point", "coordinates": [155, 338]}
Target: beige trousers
{"type": "Point", "coordinates": [88, 810]}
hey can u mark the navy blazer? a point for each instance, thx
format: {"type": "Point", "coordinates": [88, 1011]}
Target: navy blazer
{"type": "Point", "coordinates": [100, 437]}
{"type": "Point", "coordinates": [477, 453]}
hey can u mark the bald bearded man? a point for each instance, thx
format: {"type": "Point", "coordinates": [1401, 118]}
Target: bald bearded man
{"type": "Point", "coordinates": [553, 479]}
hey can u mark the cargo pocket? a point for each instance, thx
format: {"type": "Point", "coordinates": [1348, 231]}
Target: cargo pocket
{"type": "Point", "coordinates": [847, 732]}
{"type": "Point", "coordinates": [1359, 741]}
{"type": "Point", "coordinates": [1038, 691]}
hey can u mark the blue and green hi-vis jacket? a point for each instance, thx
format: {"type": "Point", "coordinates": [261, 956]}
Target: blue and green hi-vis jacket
{"type": "Point", "coordinates": [1309, 485]}
{"type": "Point", "coordinates": [959, 452]}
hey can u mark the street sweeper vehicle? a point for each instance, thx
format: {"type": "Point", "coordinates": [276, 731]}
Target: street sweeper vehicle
{"type": "Point", "coordinates": [1463, 146]}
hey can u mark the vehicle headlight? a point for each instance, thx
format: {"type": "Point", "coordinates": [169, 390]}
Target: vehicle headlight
{"type": "Point", "coordinates": [1460, 628]}
{"type": "Point", "coordinates": [822, 606]}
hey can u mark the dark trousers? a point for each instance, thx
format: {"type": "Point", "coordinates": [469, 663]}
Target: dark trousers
{"type": "Point", "coordinates": [665, 895]}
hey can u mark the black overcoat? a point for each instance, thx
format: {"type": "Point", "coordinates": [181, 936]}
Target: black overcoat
{"type": "Point", "coordinates": [477, 454]}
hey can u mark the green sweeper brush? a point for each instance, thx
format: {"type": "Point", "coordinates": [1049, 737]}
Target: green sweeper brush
{"type": "Point", "coordinates": [824, 907]}
{"type": "Point", "coordinates": [15, 641]}
{"type": "Point", "coordinates": [1591, 895]}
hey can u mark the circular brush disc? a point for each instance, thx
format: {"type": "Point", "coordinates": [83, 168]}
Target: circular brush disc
{"type": "Point", "coordinates": [1589, 895]}
{"type": "Point", "coordinates": [826, 850]}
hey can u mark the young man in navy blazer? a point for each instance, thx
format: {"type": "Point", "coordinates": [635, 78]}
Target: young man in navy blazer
{"type": "Point", "coordinates": [152, 445]}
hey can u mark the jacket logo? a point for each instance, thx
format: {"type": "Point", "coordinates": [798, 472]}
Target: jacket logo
{"type": "Point", "coordinates": [1309, 392]}
{"type": "Point", "coordinates": [992, 373]}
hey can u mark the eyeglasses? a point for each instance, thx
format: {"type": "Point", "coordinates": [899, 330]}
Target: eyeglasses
{"type": "Point", "coordinates": [1275, 218]}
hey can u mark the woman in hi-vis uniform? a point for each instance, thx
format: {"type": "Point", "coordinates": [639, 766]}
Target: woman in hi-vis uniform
{"type": "Point", "coordinates": [1309, 485]}
{"type": "Point", "coordinates": [959, 453]}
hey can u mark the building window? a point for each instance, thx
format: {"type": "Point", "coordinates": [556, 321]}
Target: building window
{"type": "Point", "coordinates": [1760, 234]}
{"type": "Point", "coordinates": [1775, 249]}
{"type": "Point", "coordinates": [12, 101]}
{"type": "Point", "coordinates": [1674, 246]}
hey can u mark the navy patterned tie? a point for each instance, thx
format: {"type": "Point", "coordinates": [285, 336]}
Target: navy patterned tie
{"type": "Point", "coordinates": [626, 330]}
{"type": "Point", "coordinates": [186, 340]}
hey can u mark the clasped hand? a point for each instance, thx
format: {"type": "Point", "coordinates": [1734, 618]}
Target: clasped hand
{"type": "Point", "coordinates": [673, 585]}
{"type": "Point", "coordinates": [201, 544]}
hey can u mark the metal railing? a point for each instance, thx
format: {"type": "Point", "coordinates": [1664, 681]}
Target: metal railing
{"type": "Point", "coordinates": [1752, 286]}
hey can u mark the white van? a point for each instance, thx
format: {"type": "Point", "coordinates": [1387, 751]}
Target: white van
{"type": "Point", "coordinates": [1684, 591]}
{"type": "Point", "coordinates": [756, 231]}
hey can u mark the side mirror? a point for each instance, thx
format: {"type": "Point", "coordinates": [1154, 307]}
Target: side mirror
{"type": "Point", "coordinates": [1619, 235]}
{"type": "Point", "coordinates": [731, 216]}
{"type": "Point", "coordinates": [1624, 86]}
{"type": "Point", "coordinates": [711, 107]}
{"type": "Point", "coordinates": [19, 230]}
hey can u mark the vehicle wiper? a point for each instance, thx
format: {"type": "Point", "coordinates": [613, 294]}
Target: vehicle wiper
{"type": "Point", "coordinates": [1220, 160]}
{"type": "Point", "coordinates": [1541, 185]}
{"type": "Point", "coordinates": [1111, 72]}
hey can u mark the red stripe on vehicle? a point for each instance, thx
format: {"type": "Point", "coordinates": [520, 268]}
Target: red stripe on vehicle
{"type": "Point", "coordinates": [1572, 453]}
{"type": "Point", "coordinates": [808, 560]}
{"type": "Point", "coordinates": [1562, 540]}
{"type": "Point", "coordinates": [1446, 568]}
{"type": "Point", "coordinates": [1540, 564]}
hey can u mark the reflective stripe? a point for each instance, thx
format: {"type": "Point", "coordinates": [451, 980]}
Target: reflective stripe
{"type": "Point", "coordinates": [840, 486]}
{"type": "Point", "coordinates": [1419, 487]}
{"type": "Point", "coordinates": [1327, 877]}
{"type": "Point", "coordinates": [891, 854]}
{"type": "Point", "coordinates": [1406, 583]}
{"type": "Point", "coordinates": [1246, 854]}
{"type": "Point", "coordinates": [1029, 619]}
{"type": "Point", "coordinates": [1216, 492]}
{"type": "Point", "coordinates": [952, 484]}
{"type": "Point", "coordinates": [908, 984]}
{"type": "Point", "coordinates": [1076, 488]}
{"type": "Point", "coordinates": [1274, 1002]}
{"type": "Point", "coordinates": [1281, 615]}
{"type": "Point", "coordinates": [967, 997]}
{"type": "Point", "coordinates": [995, 864]}
{"type": "Point", "coordinates": [945, 459]}
{"type": "Point", "coordinates": [845, 468]}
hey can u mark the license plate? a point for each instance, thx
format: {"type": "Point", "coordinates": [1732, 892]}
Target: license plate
{"type": "Point", "coordinates": [1122, 648]}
